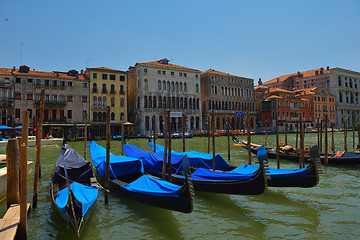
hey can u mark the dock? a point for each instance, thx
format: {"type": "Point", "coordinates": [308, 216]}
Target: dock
{"type": "Point", "coordinates": [10, 222]}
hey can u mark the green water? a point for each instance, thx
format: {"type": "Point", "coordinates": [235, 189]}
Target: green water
{"type": "Point", "coordinates": [329, 211]}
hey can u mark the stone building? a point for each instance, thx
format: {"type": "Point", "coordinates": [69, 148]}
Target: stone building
{"type": "Point", "coordinates": [227, 94]}
{"type": "Point", "coordinates": [159, 85]}
{"type": "Point", "coordinates": [6, 97]}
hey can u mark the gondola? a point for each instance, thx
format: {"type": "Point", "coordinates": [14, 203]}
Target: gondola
{"type": "Point", "coordinates": [203, 178]}
{"type": "Point", "coordinates": [127, 177]}
{"type": "Point", "coordinates": [340, 158]}
{"type": "Point", "coordinates": [303, 177]}
{"type": "Point", "coordinates": [74, 187]}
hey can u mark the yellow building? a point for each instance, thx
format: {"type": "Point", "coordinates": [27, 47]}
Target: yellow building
{"type": "Point", "coordinates": [107, 88]}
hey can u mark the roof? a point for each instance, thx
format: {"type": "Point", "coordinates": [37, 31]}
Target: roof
{"type": "Point", "coordinates": [165, 63]}
{"type": "Point", "coordinates": [280, 90]}
{"type": "Point", "coordinates": [213, 71]}
{"type": "Point", "coordinates": [274, 96]}
{"type": "Point", "coordinates": [106, 69]}
{"type": "Point", "coordinates": [54, 74]}
{"type": "Point", "coordinates": [305, 74]}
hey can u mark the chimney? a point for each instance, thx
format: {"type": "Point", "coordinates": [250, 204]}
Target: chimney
{"type": "Point", "coordinates": [277, 80]}
{"type": "Point", "coordinates": [82, 72]}
{"type": "Point", "coordinates": [259, 82]}
{"type": "Point", "coordinates": [321, 70]}
{"type": "Point", "coordinates": [328, 68]}
{"type": "Point", "coordinates": [298, 74]}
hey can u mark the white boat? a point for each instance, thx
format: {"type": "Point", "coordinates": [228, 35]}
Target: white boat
{"type": "Point", "coordinates": [3, 176]}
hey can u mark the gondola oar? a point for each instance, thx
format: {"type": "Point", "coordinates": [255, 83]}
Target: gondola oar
{"type": "Point", "coordinates": [71, 202]}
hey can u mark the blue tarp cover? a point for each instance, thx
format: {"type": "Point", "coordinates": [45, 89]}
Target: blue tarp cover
{"type": "Point", "coordinates": [119, 165]}
{"type": "Point", "coordinates": [85, 194]}
{"type": "Point", "coordinates": [198, 159]}
{"type": "Point", "coordinates": [274, 173]}
{"type": "Point", "coordinates": [152, 186]}
{"type": "Point", "coordinates": [154, 161]}
{"type": "Point", "coordinates": [210, 175]}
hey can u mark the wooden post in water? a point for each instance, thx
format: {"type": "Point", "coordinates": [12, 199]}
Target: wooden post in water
{"type": "Point", "coordinates": [285, 131]}
{"type": "Point", "coordinates": [183, 130]}
{"type": "Point", "coordinates": [208, 130]}
{"type": "Point", "coordinates": [266, 127]}
{"type": "Point", "coordinates": [22, 230]}
{"type": "Point", "coordinates": [123, 137]}
{"type": "Point", "coordinates": [169, 153]}
{"type": "Point", "coordinates": [12, 164]}
{"type": "Point", "coordinates": [213, 137]}
{"type": "Point", "coordinates": [326, 160]}
{"type": "Point", "coordinates": [332, 137]}
{"type": "Point", "coordinates": [85, 136]}
{"type": "Point", "coordinates": [228, 137]}
{"type": "Point", "coordinates": [318, 133]}
{"type": "Point", "coordinates": [154, 131]}
{"type": "Point", "coordinates": [38, 146]}
{"type": "Point", "coordinates": [301, 159]}
{"type": "Point", "coordinates": [358, 128]}
{"type": "Point", "coordinates": [303, 143]}
{"type": "Point", "coordinates": [353, 130]}
{"type": "Point", "coordinates": [107, 169]}
{"type": "Point", "coordinates": [165, 145]}
{"type": "Point", "coordinates": [297, 134]}
{"type": "Point", "coordinates": [277, 140]}
{"type": "Point", "coordinates": [345, 136]}
{"type": "Point", "coordinates": [321, 130]}
{"type": "Point", "coordinates": [248, 135]}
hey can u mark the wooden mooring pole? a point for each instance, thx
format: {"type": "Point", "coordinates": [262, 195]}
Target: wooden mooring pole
{"type": "Point", "coordinates": [169, 152]}
{"type": "Point", "coordinates": [85, 136]}
{"type": "Point", "coordinates": [213, 137]}
{"type": "Point", "coordinates": [358, 128]}
{"type": "Point", "coordinates": [318, 133]}
{"type": "Point", "coordinates": [228, 137]}
{"type": "Point", "coordinates": [326, 160]}
{"type": "Point", "coordinates": [345, 136]}
{"type": "Point", "coordinates": [123, 137]}
{"type": "Point", "coordinates": [107, 169]}
{"type": "Point", "coordinates": [154, 131]}
{"type": "Point", "coordinates": [248, 128]}
{"type": "Point", "coordinates": [301, 142]}
{"type": "Point", "coordinates": [321, 130]}
{"type": "Point", "coordinates": [266, 128]}
{"type": "Point", "coordinates": [208, 130]}
{"type": "Point", "coordinates": [12, 164]}
{"type": "Point", "coordinates": [353, 131]}
{"type": "Point", "coordinates": [22, 230]}
{"type": "Point", "coordinates": [277, 141]}
{"type": "Point", "coordinates": [163, 176]}
{"type": "Point", "coordinates": [332, 137]}
{"type": "Point", "coordinates": [297, 134]}
{"type": "Point", "coordinates": [39, 124]}
{"type": "Point", "coordinates": [285, 132]}
{"type": "Point", "coordinates": [183, 130]}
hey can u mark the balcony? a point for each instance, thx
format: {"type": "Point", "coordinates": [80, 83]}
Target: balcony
{"type": "Point", "coordinates": [94, 90]}
{"type": "Point", "coordinates": [95, 107]}
{"type": "Point", "coordinates": [104, 91]}
{"type": "Point", "coordinates": [51, 103]}
{"type": "Point", "coordinates": [112, 92]}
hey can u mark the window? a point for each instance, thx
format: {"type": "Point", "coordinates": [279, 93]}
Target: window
{"type": "Point", "coordinates": [17, 95]}
{"type": "Point", "coordinates": [197, 87]}
{"type": "Point", "coordinates": [62, 83]}
{"type": "Point", "coordinates": [196, 76]}
{"type": "Point", "coordinates": [185, 74]}
{"type": "Point", "coordinates": [122, 89]}
{"type": "Point", "coordinates": [112, 88]}
{"type": "Point", "coordinates": [121, 116]}
{"type": "Point", "coordinates": [18, 80]}
{"type": "Point", "coordinates": [69, 114]}
{"type": "Point", "coordinates": [94, 88]}
{"type": "Point", "coordinates": [17, 112]}
{"type": "Point", "coordinates": [185, 87]}
{"type": "Point", "coordinates": [29, 96]}
{"type": "Point", "coordinates": [122, 102]}
{"type": "Point", "coordinates": [29, 80]}
{"type": "Point", "coordinates": [112, 102]}
{"type": "Point", "coordinates": [172, 73]}
{"type": "Point", "coordinates": [69, 98]}
{"type": "Point", "coordinates": [122, 78]}
{"type": "Point", "coordinates": [84, 114]}
{"type": "Point", "coordinates": [85, 85]}
{"type": "Point", "coordinates": [84, 99]}
{"type": "Point", "coordinates": [54, 83]}
{"type": "Point", "coordinates": [180, 74]}
{"type": "Point", "coordinates": [163, 72]}
{"type": "Point", "coordinates": [104, 88]}
{"type": "Point", "coordinates": [104, 76]}
{"type": "Point", "coordinates": [94, 75]}
{"type": "Point", "coordinates": [112, 77]}
{"type": "Point", "coordinates": [38, 82]}
{"type": "Point", "coordinates": [145, 70]}
{"type": "Point", "coordinates": [159, 85]}
{"type": "Point", "coordinates": [159, 71]}
{"type": "Point", "coordinates": [112, 115]}
{"type": "Point", "coordinates": [46, 82]}
{"type": "Point", "coordinates": [70, 84]}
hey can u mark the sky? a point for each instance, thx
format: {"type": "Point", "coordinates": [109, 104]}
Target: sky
{"type": "Point", "coordinates": [254, 39]}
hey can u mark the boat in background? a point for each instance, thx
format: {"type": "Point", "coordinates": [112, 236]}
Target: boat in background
{"type": "Point", "coordinates": [74, 188]}
{"type": "Point", "coordinates": [127, 177]}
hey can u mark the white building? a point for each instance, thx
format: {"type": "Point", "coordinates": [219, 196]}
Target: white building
{"type": "Point", "coordinates": [159, 85]}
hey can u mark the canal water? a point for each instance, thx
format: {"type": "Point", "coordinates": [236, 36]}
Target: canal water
{"type": "Point", "coordinates": [329, 211]}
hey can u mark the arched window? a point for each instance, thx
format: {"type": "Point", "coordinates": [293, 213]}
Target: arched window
{"type": "Point", "coordinates": [164, 102]}
{"type": "Point", "coordinates": [210, 105]}
{"type": "Point", "coordinates": [173, 102]}
{"type": "Point", "coordinates": [138, 102]}
{"type": "Point", "coordinates": [181, 86]}
{"type": "Point", "coordinates": [169, 102]}
{"type": "Point", "coordinates": [159, 85]}
{"type": "Point", "coordinates": [103, 116]}
{"type": "Point", "coordinates": [194, 104]}
{"type": "Point", "coordinates": [160, 102]}
{"type": "Point", "coordinates": [197, 103]}
{"type": "Point", "coordinates": [112, 102]}
{"type": "Point", "coordinates": [185, 103]}
{"type": "Point", "coordinates": [164, 85]}
{"type": "Point", "coordinates": [185, 87]}
{"type": "Point", "coordinates": [215, 90]}
{"type": "Point", "coordinates": [222, 90]}
{"type": "Point", "coordinates": [94, 116]}
{"type": "Point", "coordinates": [172, 86]}
{"type": "Point", "coordinates": [99, 101]}
{"type": "Point", "coordinates": [177, 86]}
{"type": "Point", "coordinates": [94, 87]}
{"type": "Point", "coordinates": [104, 88]}
{"type": "Point", "coordinates": [181, 103]}
{"type": "Point", "coordinates": [150, 102]}
{"type": "Point", "coordinates": [145, 101]}
{"type": "Point", "coordinates": [121, 116]}
{"type": "Point", "coordinates": [190, 103]}
{"type": "Point", "coordinates": [154, 102]}
{"type": "Point", "coordinates": [177, 103]}
{"type": "Point", "coordinates": [112, 116]}
{"type": "Point", "coordinates": [225, 91]}
{"type": "Point", "coordinates": [168, 85]}
{"type": "Point", "coordinates": [212, 89]}
{"type": "Point", "coordinates": [94, 100]}
{"type": "Point", "coordinates": [122, 89]}
{"type": "Point", "coordinates": [104, 101]}
{"type": "Point", "coordinates": [147, 123]}
{"type": "Point", "coordinates": [122, 102]}
{"type": "Point", "coordinates": [112, 88]}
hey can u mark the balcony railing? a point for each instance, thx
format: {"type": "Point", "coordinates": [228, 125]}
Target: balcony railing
{"type": "Point", "coordinates": [94, 90]}
{"type": "Point", "coordinates": [104, 91]}
{"type": "Point", "coordinates": [51, 103]}
{"type": "Point", "coordinates": [95, 107]}
{"type": "Point", "coordinates": [112, 92]}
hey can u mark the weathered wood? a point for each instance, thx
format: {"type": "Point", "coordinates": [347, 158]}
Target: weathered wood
{"type": "Point", "coordinates": [285, 132]}
{"type": "Point", "coordinates": [297, 135]}
{"type": "Point", "coordinates": [301, 142]}
{"type": "Point", "coordinates": [12, 164]}
{"type": "Point", "coordinates": [85, 136]}
{"type": "Point", "coordinates": [277, 140]}
{"type": "Point", "coordinates": [345, 136]}
{"type": "Point", "coordinates": [266, 128]}
{"type": "Point", "coordinates": [332, 137]}
{"type": "Point", "coordinates": [23, 175]}
{"type": "Point", "coordinates": [10, 222]}
{"type": "Point", "coordinates": [353, 131]}
{"type": "Point", "coordinates": [169, 152]}
{"type": "Point", "coordinates": [165, 145]}
{"type": "Point", "coordinates": [154, 131]}
{"type": "Point", "coordinates": [321, 137]}
{"type": "Point", "coordinates": [107, 168]}
{"type": "Point", "coordinates": [213, 137]}
{"type": "Point", "coordinates": [326, 160]}
{"type": "Point", "coordinates": [123, 137]}
{"type": "Point", "coordinates": [39, 121]}
{"type": "Point", "coordinates": [358, 128]}
{"type": "Point", "coordinates": [183, 130]}
{"type": "Point", "coordinates": [228, 137]}
{"type": "Point", "coordinates": [248, 135]}
{"type": "Point", "coordinates": [208, 130]}
{"type": "Point", "coordinates": [318, 133]}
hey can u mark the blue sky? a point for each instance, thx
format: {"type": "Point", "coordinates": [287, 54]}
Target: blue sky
{"type": "Point", "coordinates": [245, 38]}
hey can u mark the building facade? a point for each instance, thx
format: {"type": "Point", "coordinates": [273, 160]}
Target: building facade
{"type": "Point", "coordinates": [108, 87]}
{"type": "Point", "coordinates": [6, 97]}
{"type": "Point", "coordinates": [159, 85]}
{"type": "Point", "coordinates": [227, 94]}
